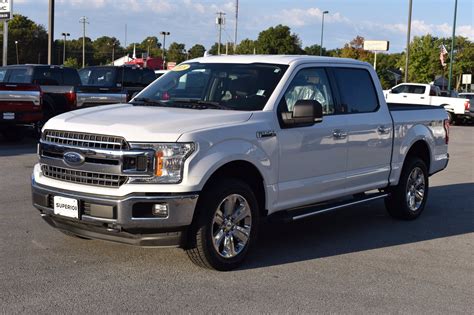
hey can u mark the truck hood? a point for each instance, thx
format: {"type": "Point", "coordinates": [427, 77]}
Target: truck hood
{"type": "Point", "coordinates": [144, 123]}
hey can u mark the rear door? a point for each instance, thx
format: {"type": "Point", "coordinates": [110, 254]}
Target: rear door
{"type": "Point", "coordinates": [368, 127]}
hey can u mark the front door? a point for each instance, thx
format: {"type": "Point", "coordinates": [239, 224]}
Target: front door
{"type": "Point", "coordinates": [312, 163]}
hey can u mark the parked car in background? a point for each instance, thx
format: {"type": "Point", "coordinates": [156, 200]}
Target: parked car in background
{"type": "Point", "coordinates": [204, 153]}
{"type": "Point", "coordinates": [470, 97]}
{"type": "Point", "coordinates": [159, 73]}
{"type": "Point", "coordinates": [103, 85]}
{"type": "Point", "coordinates": [31, 94]}
{"type": "Point", "coordinates": [426, 94]}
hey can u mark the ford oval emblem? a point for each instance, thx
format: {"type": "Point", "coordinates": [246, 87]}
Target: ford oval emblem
{"type": "Point", "coordinates": [73, 158]}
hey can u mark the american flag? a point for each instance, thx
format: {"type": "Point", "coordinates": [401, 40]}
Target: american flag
{"type": "Point", "coordinates": [442, 54]}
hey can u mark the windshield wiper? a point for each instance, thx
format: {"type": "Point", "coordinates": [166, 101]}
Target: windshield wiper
{"type": "Point", "coordinates": [206, 104]}
{"type": "Point", "coordinates": [148, 101]}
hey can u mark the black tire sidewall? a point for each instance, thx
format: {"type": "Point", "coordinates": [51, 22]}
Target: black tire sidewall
{"type": "Point", "coordinates": [399, 194]}
{"type": "Point", "coordinates": [210, 201]}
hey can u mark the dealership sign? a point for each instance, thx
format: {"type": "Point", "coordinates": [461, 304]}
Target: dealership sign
{"type": "Point", "coordinates": [5, 9]}
{"type": "Point", "coordinates": [376, 45]}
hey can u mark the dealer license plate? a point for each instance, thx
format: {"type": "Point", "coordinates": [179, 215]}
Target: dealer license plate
{"type": "Point", "coordinates": [66, 207]}
{"type": "Point", "coordinates": [8, 116]}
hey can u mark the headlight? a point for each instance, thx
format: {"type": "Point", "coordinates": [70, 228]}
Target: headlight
{"type": "Point", "coordinates": [168, 162]}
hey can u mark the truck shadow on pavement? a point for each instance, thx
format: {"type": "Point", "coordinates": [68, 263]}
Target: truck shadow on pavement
{"type": "Point", "coordinates": [449, 212]}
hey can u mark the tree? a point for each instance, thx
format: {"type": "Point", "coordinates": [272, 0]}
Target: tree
{"type": "Point", "coordinates": [32, 41]}
{"type": "Point", "coordinates": [315, 50]}
{"type": "Point", "coordinates": [72, 62]}
{"type": "Point", "coordinates": [196, 51]}
{"type": "Point", "coordinates": [246, 47]}
{"type": "Point", "coordinates": [103, 49]}
{"type": "Point", "coordinates": [388, 70]}
{"type": "Point", "coordinates": [278, 40]}
{"type": "Point", "coordinates": [355, 50]}
{"type": "Point", "coordinates": [176, 53]}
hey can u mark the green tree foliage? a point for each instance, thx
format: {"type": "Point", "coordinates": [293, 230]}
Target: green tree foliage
{"type": "Point", "coordinates": [104, 47]}
{"type": "Point", "coordinates": [72, 62]}
{"type": "Point", "coordinates": [32, 41]}
{"type": "Point", "coordinates": [196, 51]}
{"type": "Point", "coordinates": [246, 47]}
{"type": "Point", "coordinates": [278, 40]}
{"type": "Point", "coordinates": [388, 70]}
{"type": "Point", "coordinates": [176, 52]}
{"type": "Point", "coordinates": [314, 50]}
{"type": "Point", "coordinates": [355, 50]}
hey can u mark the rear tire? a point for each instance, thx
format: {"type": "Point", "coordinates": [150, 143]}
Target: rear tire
{"type": "Point", "coordinates": [407, 200]}
{"type": "Point", "coordinates": [225, 227]}
{"type": "Point", "coordinates": [452, 118]}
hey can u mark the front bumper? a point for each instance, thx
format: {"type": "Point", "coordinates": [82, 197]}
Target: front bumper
{"type": "Point", "coordinates": [126, 219]}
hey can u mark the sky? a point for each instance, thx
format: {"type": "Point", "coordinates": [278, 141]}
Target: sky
{"type": "Point", "coordinates": [193, 21]}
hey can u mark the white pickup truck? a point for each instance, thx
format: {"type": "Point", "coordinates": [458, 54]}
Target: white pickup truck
{"type": "Point", "coordinates": [208, 150]}
{"type": "Point", "coordinates": [426, 94]}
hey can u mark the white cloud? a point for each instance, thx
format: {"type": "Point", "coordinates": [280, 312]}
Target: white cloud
{"type": "Point", "coordinates": [304, 17]}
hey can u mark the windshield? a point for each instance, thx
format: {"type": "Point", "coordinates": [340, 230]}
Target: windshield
{"type": "Point", "coordinates": [227, 86]}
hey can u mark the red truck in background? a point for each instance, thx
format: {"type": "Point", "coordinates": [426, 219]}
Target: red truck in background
{"type": "Point", "coordinates": [31, 94]}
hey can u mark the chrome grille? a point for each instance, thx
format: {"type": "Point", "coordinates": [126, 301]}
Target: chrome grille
{"type": "Point", "coordinates": [82, 177]}
{"type": "Point", "coordinates": [85, 140]}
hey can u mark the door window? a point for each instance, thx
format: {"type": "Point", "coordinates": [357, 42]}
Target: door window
{"type": "Point", "coordinates": [357, 90]}
{"type": "Point", "coordinates": [309, 84]}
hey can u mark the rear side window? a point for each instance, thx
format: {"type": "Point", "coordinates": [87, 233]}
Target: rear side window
{"type": "Point", "coordinates": [416, 89]}
{"type": "Point", "coordinates": [3, 73]}
{"type": "Point", "coordinates": [97, 76]}
{"type": "Point", "coordinates": [357, 90]}
{"type": "Point", "coordinates": [132, 77]}
{"type": "Point", "coordinates": [71, 77]}
{"type": "Point", "coordinates": [48, 76]}
{"type": "Point", "coordinates": [148, 77]}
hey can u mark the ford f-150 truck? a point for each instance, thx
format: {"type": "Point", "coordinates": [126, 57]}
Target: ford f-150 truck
{"type": "Point", "coordinates": [103, 85]}
{"type": "Point", "coordinates": [426, 94]}
{"type": "Point", "coordinates": [200, 157]}
{"type": "Point", "coordinates": [31, 94]}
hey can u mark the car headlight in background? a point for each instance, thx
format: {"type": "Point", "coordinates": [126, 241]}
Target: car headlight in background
{"type": "Point", "coordinates": [168, 162]}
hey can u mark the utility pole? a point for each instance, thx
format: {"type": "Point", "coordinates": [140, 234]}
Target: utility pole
{"type": "Point", "coordinates": [5, 42]}
{"type": "Point", "coordinates": [451, 54]}
{"type": "Point", "coordinates": [64, 46]}
{"type": "Point", "coordinates": [322, 32]}
{"type": "Point", "coordinates": [236, 23]}
{"type": "Point", "coordinates": [114, 42]}
{"type": "Point", "coordinates": [50, 32]}
{"type": "Point", "coordinates": [408, 40]}
{"type": "Point", "coordinates": [83, 20]}
{"type": "Point", "coordinates": [163, 56]}
{"type": "Point", "coordinates": [220, 21]}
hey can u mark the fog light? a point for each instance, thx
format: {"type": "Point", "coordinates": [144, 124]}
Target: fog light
{"type": "Point", "coordinates": [161, 210]}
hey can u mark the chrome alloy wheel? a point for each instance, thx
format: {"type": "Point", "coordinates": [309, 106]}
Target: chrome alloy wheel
{"type": "Point", "coordinates": [231, 226]}
{"type": "Point", "coordinates": [415, 193]}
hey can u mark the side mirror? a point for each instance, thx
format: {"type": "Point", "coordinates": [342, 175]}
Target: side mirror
{"type": "Point", "coordinates": [305, 113]}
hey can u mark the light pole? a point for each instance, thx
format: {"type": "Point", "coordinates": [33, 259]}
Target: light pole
{"type": "Point", "coordinates": [407, 58]}
{"type": "Point", "coordinates": [83, 20]}
{"type": "Point", "coordinates": [451, 54]}
{"type": "Point", "coordinates": [164, 47]}
{"type": "Point", "coordinates": [64, 46]}
{"type": "Point", "coordinates": [322, 32]}
{"type": "Point", "coordinates": [113, 50]}
{"type": "Point", "coordinates": [17, 59]}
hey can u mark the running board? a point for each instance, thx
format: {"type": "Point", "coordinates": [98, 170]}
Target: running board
{"type": "Point", "coordinates": [308, 211]}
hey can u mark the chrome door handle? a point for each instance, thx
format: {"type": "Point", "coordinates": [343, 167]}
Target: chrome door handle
{"type": "Point", "coordinates": [383, 130]}
{"type": "Point", "coordinates": [404, 96]}
{"type": "Point", "coordinates": [339, 134]}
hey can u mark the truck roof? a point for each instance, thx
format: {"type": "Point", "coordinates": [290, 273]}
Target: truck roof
{"type": "Point", "coordinates": [275, 59]}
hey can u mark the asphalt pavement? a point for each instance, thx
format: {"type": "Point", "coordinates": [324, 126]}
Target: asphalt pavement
{"type": "Point", "coordinates": [356, 260]}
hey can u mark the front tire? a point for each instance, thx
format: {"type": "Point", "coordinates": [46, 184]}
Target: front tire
{"type": "Point", "coordinates": [226, 226]}
{"type": "Point", "coordinates": [408, 199]}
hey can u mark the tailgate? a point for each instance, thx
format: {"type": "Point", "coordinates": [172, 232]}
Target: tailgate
{"type": "Point", "coordinates": [92, 96]}
{"type": "Point", "coordinates": [13, 95]}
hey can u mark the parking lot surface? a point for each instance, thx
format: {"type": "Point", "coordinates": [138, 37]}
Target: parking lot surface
{"type": "Point", "coordinates": [356, 260]}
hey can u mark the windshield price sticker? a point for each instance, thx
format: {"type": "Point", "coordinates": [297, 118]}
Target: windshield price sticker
{"type": "Point", "coordinates": [181, 68]}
